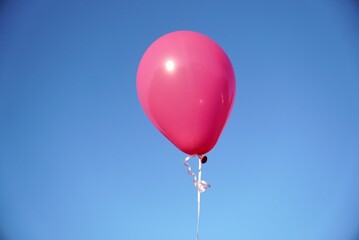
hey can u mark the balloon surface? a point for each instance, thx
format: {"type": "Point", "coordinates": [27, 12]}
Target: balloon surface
{"type": "Point", "coordinates": [186, 86]}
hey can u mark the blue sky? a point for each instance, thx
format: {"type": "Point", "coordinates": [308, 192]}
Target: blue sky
{"type": "Point", "coordinates": [80, 160]}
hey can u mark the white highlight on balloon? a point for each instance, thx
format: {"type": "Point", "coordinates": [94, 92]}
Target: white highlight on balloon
{"type": "Point", "coordinates": [170, 65]}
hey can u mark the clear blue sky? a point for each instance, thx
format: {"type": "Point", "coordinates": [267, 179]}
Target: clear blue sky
{"type": "Point", "coordinates": [80, 160]}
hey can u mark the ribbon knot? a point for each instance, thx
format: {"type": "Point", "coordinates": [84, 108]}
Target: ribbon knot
{"type": "Point", "coordinates": [200, 184]}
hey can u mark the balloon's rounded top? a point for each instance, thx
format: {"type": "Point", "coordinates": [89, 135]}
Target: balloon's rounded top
{"type": "Point", "coordinates": [186, 86]}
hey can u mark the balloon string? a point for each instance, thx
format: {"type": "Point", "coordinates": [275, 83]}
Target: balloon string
{"type": "Point", "coordinates": [200, 184]}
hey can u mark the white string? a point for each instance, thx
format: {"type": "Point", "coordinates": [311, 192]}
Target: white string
{"type": "Point", "coordinates": [201, 185]}
{"type": "Point", "coordinates": [198, 195]}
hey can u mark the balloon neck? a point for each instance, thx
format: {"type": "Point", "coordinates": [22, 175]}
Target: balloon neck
{"type": "Point", "coordinates": [203, 158]}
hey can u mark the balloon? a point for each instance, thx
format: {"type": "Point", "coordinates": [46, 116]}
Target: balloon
{"type": "Point", "coordinates": [186, 86]}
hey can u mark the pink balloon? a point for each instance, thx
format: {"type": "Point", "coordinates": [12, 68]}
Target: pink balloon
{"type": "Point", "coordinates": [186, 86]}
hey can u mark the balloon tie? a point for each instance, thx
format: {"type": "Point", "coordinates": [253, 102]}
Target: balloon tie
{"type": "Point", "coordinates": [200, 184]}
